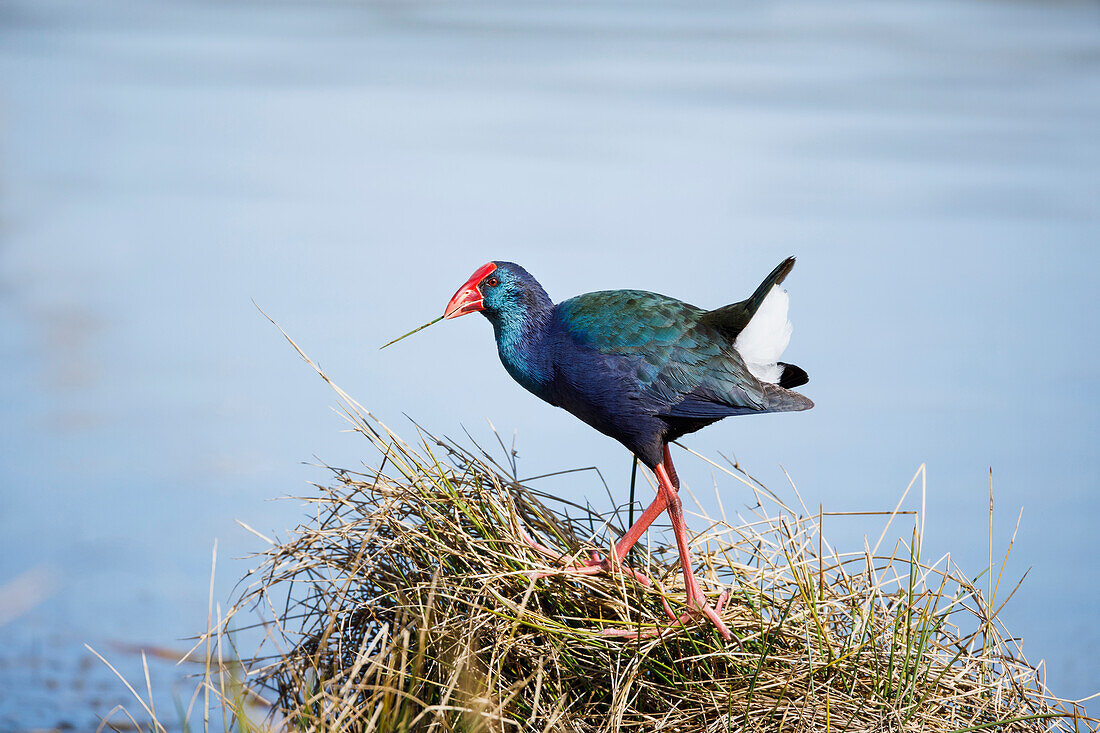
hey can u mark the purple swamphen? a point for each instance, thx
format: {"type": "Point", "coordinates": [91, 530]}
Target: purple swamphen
{"type": "Point", "coordinates": [644, 369]}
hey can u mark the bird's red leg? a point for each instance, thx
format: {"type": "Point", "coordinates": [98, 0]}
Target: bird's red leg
{"type": "Point", "coordinates": [649, 516]}
{"type": "Point", "coordinates": [622, 547]}
{"type": "Point", "coordinates": [625, 543]}
{"type": "Point", "coordinates": [614, 562]}
{"type": "Point", "coordinates": [628, 540]}
{"type": "Point", "coordinates": [667, 498]}
{"type": "Point", "coordinates": [697, 602]}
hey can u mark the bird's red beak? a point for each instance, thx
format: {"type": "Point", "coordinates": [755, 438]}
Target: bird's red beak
{"type": "Point", "coordinates": [468, 299]}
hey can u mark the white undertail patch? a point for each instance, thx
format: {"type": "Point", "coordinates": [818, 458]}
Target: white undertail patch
{"type": "Point", "coordinates": [764, 339]}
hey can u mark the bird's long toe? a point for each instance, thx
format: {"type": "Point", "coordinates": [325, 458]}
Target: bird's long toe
{"type": "Point", "coordinates": [711, 613]}
{"type": "Point", "coordinates": [698, 607]}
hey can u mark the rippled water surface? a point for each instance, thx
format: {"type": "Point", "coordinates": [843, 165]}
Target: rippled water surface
{"type": "Point", "coordinates": [935, 167]}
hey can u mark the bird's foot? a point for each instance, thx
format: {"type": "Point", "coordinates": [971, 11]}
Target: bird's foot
{"type": "Point", "coordinates": [697, 607]}
{"type": "Point", "coordinates": [697, 603]}
{"type": "Point", "coordinates": [593, 566]}
{"type": "Point", "coordinates": [588, 568]}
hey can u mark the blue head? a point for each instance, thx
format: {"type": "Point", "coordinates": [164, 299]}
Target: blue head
{"type": "Point", "coordinates": [504, 292]}
{"type": "Point", "coordinates": [519, 310]}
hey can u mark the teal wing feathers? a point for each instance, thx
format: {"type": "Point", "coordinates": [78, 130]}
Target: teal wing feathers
{"type": "Point", "coordinates": [683, 366]}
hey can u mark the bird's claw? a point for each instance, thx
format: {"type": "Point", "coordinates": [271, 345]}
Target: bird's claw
{"type": "Point", "coordinates": [594, 566]}
{"type": "Point", "coordinates": [711, 612]}
{"type": "Point", "coordinates": [697, 604]}
{"type": "Point", "coordinates": [699, 607]}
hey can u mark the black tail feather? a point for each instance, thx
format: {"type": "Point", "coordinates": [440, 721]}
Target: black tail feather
{"type": "Point", "coordinates": [792, 376]}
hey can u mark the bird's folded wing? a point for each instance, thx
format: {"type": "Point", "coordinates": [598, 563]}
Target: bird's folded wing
{"type": "Point", "coordinates": [686, 368]}
{"type": "Point", "coordinates": [725, 387]}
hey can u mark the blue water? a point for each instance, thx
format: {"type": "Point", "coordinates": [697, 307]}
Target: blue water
{"type": "Point", "coordinates": [934, 166]}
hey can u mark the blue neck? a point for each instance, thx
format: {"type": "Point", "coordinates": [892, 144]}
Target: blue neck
{"type": "Point", "coordinates": [520, 332]}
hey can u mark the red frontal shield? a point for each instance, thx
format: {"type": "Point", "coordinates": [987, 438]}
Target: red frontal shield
{"type": "Point", "coordinates": [468, 299]}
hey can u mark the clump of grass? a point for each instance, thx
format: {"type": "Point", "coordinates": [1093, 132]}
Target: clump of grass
{"type": "Point", "coordinates": [409, 602]}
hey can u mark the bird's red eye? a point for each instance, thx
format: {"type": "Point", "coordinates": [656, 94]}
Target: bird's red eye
{"type": "Point", "coordinates": [492, 282]}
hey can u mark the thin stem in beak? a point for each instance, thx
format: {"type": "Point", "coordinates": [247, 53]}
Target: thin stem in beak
{"type": "Point", "coordinates": [410, 333]}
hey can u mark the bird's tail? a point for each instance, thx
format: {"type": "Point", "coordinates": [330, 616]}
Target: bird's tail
{"type": "Point", "coordinates": [733, 318]}
{"type": "Point", "coordinates": [784, 400]}
{"type": "Point", "coordinates": [760, 330]}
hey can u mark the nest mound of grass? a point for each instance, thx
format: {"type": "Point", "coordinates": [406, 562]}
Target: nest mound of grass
{"type": "Point", "coordinates": [408, 602]}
